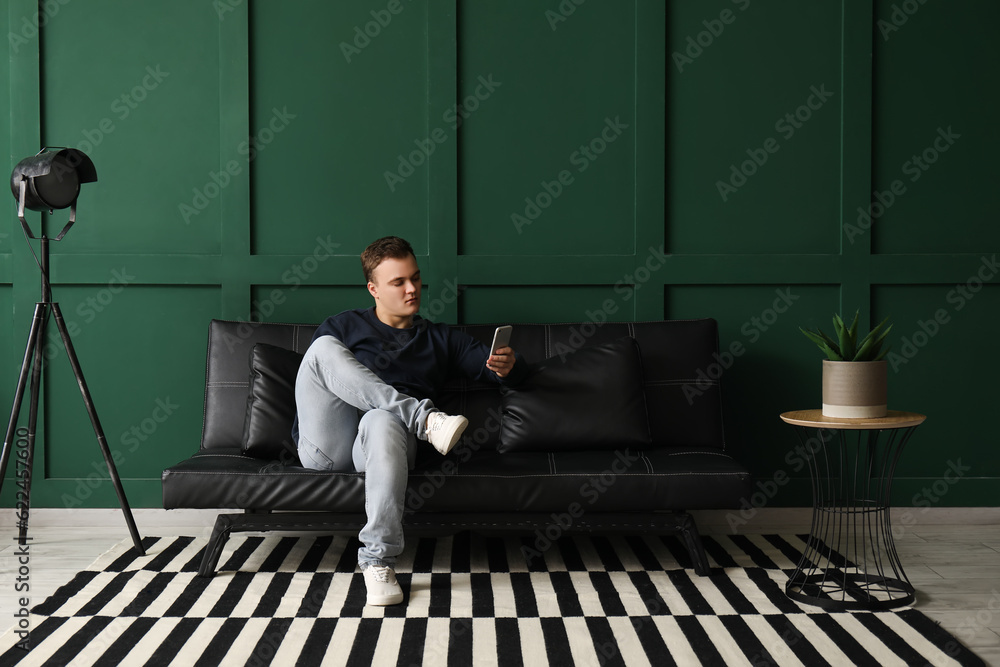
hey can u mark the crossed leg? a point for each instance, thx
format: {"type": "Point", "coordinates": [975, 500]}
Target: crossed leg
{"type": "Point", "coordinates": [349, 419]}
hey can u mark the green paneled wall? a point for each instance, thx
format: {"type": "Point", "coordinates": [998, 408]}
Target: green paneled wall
{"type": "Point", "coordinates": [529, 174]}
{"type": "Point", "coordinates": [546, 158]}
{"type": "Point", "coordinates": [935, 130]}
{"type": "Point", "coordinates": [147, 113]}
{"type": "Point", "coordinates": [755, 119]}
{"type": "Point", "coordinates": [556, 303]}
{"type": "Point", "coordinates": [145, 392]}
{"type": "Point", "coordinates": [938, 368]}
{"type": "Point", "coordinates": [341, 116]}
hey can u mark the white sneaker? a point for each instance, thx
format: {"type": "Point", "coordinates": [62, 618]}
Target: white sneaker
{"type": "Point", "coordinates": [443, 431]}
{"type": "Point", "coordinates": [383, 589]}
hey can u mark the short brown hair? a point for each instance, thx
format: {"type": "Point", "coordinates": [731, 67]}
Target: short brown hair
{"type": "Point", "coordinates": [386, 247]}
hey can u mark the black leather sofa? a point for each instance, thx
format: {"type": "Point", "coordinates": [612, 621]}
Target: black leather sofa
{"type": "Point", "coordinates": [611, 483]}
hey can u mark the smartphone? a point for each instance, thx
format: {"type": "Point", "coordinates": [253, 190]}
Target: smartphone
{"type": "Point", "coordinates": [501, 338]}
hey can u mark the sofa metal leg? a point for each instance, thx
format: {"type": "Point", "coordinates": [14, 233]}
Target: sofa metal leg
{"type": "Point", "coordinates": [692, 540]}
{"type": "Point", "coordinates": [213, 550]}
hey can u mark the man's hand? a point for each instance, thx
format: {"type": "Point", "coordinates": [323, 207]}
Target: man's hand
{"type": "Point", "coordinates": [502, 362]}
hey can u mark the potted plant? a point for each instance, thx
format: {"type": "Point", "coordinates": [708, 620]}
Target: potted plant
{"type": "Point", "coordinates": [855, 371]}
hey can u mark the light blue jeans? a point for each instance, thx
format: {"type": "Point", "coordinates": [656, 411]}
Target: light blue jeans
{"type": "Point", "coordinates": [349, 419]}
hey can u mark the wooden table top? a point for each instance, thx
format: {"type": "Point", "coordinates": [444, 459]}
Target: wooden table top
{"type": "Point", "coordinates": [815, 419]}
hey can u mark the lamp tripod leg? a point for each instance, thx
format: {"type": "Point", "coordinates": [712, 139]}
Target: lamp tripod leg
{"type": "Point", "coordinates": [32, 361]}
{"type": "Point", "coordinates": [36, 384]}
{"type": "Point", "coordinates": [96, 422]}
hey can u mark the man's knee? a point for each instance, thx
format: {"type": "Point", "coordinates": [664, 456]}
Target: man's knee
{"type": "Point", "coordinates": [322, 357]}
{"type": "Point", "coordinates": [383, 425]}
{"type": "Point", "coordinates": [314, 357]}
{"type": "Point", "coordinates": [324, 347]}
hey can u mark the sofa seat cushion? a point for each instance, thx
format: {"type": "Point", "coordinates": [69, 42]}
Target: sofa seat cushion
{"type": "Point", "coordinates": [226, 478]}
{"type": "Point", "coordinates": [475, 481]}
{"type": "Point", "coordinates": [623, 480]}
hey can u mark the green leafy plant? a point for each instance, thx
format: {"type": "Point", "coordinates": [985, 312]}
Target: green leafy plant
{"type": "Point", "coordinates": [847, 347]}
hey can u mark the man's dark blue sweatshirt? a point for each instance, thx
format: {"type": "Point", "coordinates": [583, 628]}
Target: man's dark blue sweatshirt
{"type": "Point", "coordinates": [418, 360]}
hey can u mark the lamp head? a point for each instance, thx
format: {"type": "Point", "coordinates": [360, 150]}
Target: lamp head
{"type": "Point", "coordinates": [52, 178]}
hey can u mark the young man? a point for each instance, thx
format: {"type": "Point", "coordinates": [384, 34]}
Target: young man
{"type": "Point", "coordinates": [365, 394]}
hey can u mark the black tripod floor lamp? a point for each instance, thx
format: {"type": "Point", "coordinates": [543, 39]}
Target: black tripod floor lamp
{"type": "Point", "coordinates": [47, 181]}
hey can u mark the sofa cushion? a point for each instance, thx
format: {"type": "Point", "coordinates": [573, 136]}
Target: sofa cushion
{"type": "Point", "coordinates": [471, 481]}
{"type": "Point", "coordinates": [267, 428]}
{"type": "Point", "coordinates": [588, 399]}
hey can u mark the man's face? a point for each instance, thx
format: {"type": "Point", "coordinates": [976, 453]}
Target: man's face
{"type": "Point", "coordinates": [396, 286]}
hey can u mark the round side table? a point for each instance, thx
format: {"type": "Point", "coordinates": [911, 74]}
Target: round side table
{"type": "Point", "coordinates": [850, 561]}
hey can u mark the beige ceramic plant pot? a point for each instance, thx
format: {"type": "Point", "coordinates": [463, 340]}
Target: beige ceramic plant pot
{"type": "Point", "coordinates": [854, 389]}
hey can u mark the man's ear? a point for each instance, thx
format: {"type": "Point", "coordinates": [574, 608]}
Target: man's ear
{"type": "Point", "coordinates": [372, 289]}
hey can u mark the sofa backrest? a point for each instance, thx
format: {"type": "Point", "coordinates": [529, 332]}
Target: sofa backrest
{"type": "Point", "coordinates": [679, 358]}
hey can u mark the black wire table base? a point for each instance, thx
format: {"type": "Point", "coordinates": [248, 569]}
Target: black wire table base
{"type": "Point", "coordinates": [850, 561]}
{"type": "Point", "coordinates": [829, 591]}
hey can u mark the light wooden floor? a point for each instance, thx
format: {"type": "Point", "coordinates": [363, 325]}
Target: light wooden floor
{"type": "Point", "coordinates": [952, 557]}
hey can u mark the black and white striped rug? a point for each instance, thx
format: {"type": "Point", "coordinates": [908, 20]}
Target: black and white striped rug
{"type": "Point", "coordinates": [471, 600]}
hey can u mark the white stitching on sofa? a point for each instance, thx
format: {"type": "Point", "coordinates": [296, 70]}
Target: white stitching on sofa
{"type": "Point", "coordinates": [229, 456]}
{"type": "Point", "coordinates": [670, 383]}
